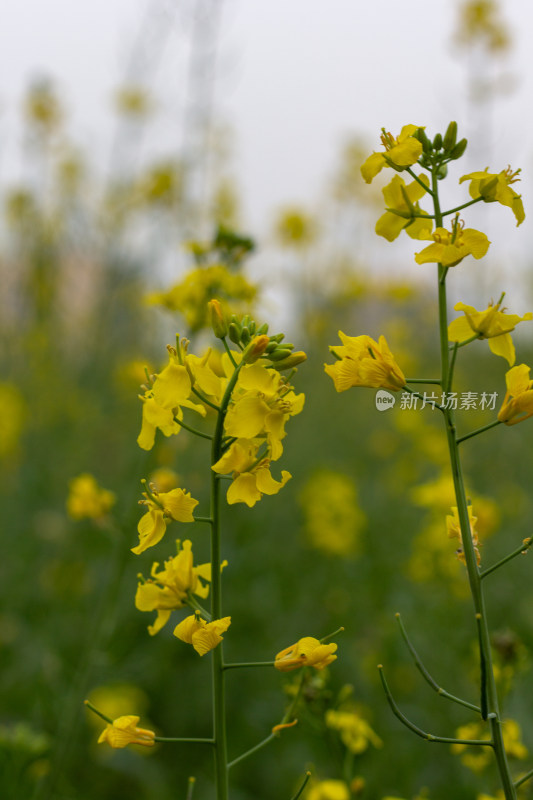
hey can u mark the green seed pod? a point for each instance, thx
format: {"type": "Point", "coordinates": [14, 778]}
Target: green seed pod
{"type": "Point", "coordinates": [459, 149]}
{"type": "Point", "coordinates": [234, 333]}
{"type": "Point", "coordinates": [450, 137]}
{"type": "Point", "coordinates": [437, 142]}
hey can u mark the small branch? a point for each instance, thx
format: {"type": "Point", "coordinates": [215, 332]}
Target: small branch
{"type": "Point", "coordinates": [460, 208]}
{"type": "Point", "coordinates": [204, 519]}
{"type": "Point", "coordinates": [425, 674]}
{"type": "Point", "coordinates": [421, 182]}
{"type": "Point", "coordinates": [479, 430]}
{"type": "Point", "coordinates": [252, 750]}
{"type": "Point", "coordinates": [193, 430]}
{"type": "Point", "coordinates": [204, 399]}
{"type": "Point", "coordinates": [523, 779]}
{"type": "Point", "coordinates": [419, 732]}
{"type": "Point", "coordinates": [302, 787]}
{"type": "Point", "coordinates": [425, 400]}
{"type": "Point", "coordinates": [436, 381]}
{"type": "Point", "coordinates": [448, 386]}
{"type": "Point", "coordinates": [524, 547]}
{"type": "Point", "coordinates": [238, 664]}
{"type": "Point", "coordinates": [183, 740]}
{"type": "Point", "coordinates": [230, 354]}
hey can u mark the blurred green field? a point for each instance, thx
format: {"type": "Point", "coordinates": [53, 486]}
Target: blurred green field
{"type": "Point", "coordinates": [357, 535]}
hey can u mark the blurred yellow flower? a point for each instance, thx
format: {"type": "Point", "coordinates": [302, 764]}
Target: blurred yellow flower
{"type": "Point", "coordinates": [164, 479]}
{"type": "Point", "coordinates": [453, 529]}
{"type": "Point", "coordinates": [204, 636]}
{"type": "Point", "coordinates": [169, 588]}
{"type": "Point", "coordinates": [307, 652]}
{"type": "Point", "coordinates": [355, 732]}
{"type": "Point", "coordinates": [491, 324]}
{"type": "Point", "coordinates": [400, 152]}
{"type": "Point", "coordinates": [477, 758]}
{"type": "Point", "coordinates": [12, 416]}
{"type": "Point", "coordinates": [333, 519]}
{"type": "Point", "coordinates": [123, 731]}
{"type": "Point", "coordinates": [295, 228]}
{"type": "Point", "coordinates": [329, 790]}
{"type": "Point", "coordinates": [495, 188]}
{"type": "Point", "coordinates": [191, 295]}
{"type": "Point", "coordinates": [401, 197]}
{"type": "Point", "coordinates": [87, 500]}
{"type": "Point", "coordinates": [450, 247]}
{"type": "Point", "coordinates": [518, 401]}
{"type": "Point", "coordinates": [163, 507]}
{"type": "Point", "coordinates": [251, 477]}
{"type": "Point", "coordinates": [364, 362]}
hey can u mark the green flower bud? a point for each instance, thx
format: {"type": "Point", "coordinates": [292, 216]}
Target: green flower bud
{"type": "Point", "coordinates": [234, 333]}
{"type": "Point", "coordinates": [450, 137]}
{"type": "Point", "coordinates": [280, 354]}
{"type": "Point", "coordinates": [291, 361]}
{"type": "Point", "coordinates": [437, 142]}
{"type": "Point", "coordinates": [459, 149]}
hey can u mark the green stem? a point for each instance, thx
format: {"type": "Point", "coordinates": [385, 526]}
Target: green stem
{"type": "Point", "coordinates": [436, 381]}
{"type": "Point", "coordinates": [230, 354]}
{"type": "Point", "coordinates": [460, 208]}
{"type": "Point", "coordinates": [219, 709]}
{"type": "Point", "coordinates": [478, 430]}
{"type": "Point", "coordinates": [489, 696]}
{"type": "Point", "coordinates": [425, 674]}
{"type": "Point", "coordinates": [252, 750]}
{"type": "Point", "coordinates": [524, 547]}
{"type": "Point", "coordinates": [429, 737]}
{"type": "Point", "coordinates": [204, 399]}
{"type": "Point", "coordinates": [523, 779]}
{"type": "Point", "coordinates": [302, 787]}
{"type": "Point", "coordinates": [193, 430]}
{"type": "Point", "coordinates": [417, 179]}
{"type": "Point", "coordinates": [239, 664]}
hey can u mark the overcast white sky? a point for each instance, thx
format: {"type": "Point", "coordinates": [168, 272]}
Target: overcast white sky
{"type": "Point", "coordinates": [295, 78]}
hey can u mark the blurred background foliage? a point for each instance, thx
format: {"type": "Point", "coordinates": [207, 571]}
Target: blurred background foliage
{"type": "Point", "coordinates": [357, 535]}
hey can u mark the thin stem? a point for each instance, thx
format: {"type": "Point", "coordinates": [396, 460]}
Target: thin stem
{"type": "Point", "coordinates": [418, 180]}
{"type": "Point", "coordinates": [478, 430]}
{"type": "Point", "coordinates": [425, 674]}
{"type": "Point", "coordinates": [252, 750]}
{"type": "Point", "coordinates": [204, 519]}
{"type": "Point", "coordinates": [230, 354]}
{"type": "Point", "coordinates": [219, 709]}
{"type": "Point", "coordinates": [436, 381]}
{"type": "Point", "coordinates": [429, 737]}
{"type": "Point", "coordinates": [204, 399]}
{"type": "Point", "coordinates": [451, 370]}
{"type": "Point", "coordinates": [524, 547]}
{"type": "Point", "coordinates": [425, 400]}
{"type": "Point", "coordinates": [193, 430]}
{"type": "Point", "coordinates": [302, 787]}
{"type": "Point", "coordinates": [239, 664]}
{"type": "Point", "coordinates": [460, 208]}
{"type": "Point", "coordinates": [465, 341]}
{"type": "Point", "coordinates": [182, 740]}
{"type": "Point", "coordinates": [523, 779]}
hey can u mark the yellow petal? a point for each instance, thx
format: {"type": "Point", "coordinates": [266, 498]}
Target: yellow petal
{"type": "Point", "coordinates": [503, 346]}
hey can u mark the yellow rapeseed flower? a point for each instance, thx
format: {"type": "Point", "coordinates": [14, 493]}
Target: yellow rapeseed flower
{"type": "Point", "coordinates": [251, 476]}
{"type": "Point", "coordinates": [204, 636]}
{"type": "Point", "coordinates": [169, 588]}
{"type": "Point", "coordinates": [307, 652]}
{"type": "Point", "coordinates": [495, 188]}
{"type": "Point", "coordinates": [87, 500]}
{"type": "Point", "coordinates": [450, 247]}
{"type": "Point", "coordinates": [123, 731]}
{"type": "Point", "coordinates": [518, 401]}
{"type": "Point", "coordinates": [401, 197]}
{"type": "Point", "coordinates": [163, 507]}
{"type": "Point", "coordinates": [400, 152]}
{"type": "Point", "coordinates": [329, 790]}
{"type": "Point", "coordinates": [453, 529]}
{"type": "Point", "coordinates": [364, 362]}
{"type": "Point", "coordinates": [491, 324]}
